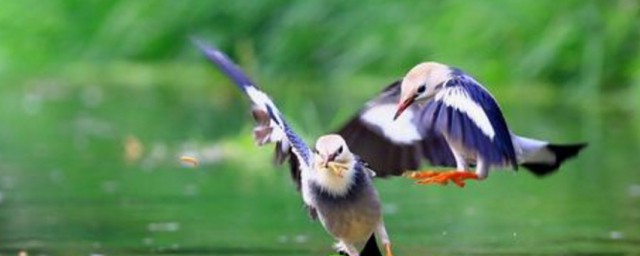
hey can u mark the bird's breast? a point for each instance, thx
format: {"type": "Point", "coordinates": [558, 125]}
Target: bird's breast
{"type": "Point", "coordinates": [353, 216]}
{"type": "Point", "coordinates": [353, 222]}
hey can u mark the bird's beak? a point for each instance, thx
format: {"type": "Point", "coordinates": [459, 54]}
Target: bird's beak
{"type": "Point", "coordinates": [329, 163]}
{"type": "Point", "coordinates": [403, 106]}
{"type": "Point", "coordinates": [328, 159]}
{"type": "Point", "coordinates": [325, 162]}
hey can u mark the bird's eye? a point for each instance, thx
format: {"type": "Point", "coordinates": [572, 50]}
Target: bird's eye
{"type": "Point", "coordinates": [339, 150]}
{"type": "Point", "coordinates": [315, 150]}
{"type": "Point", "coordinates": [422, 88]}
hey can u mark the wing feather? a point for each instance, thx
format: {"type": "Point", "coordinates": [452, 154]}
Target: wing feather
{"type": "Point", "coordinates": [259, 99]}
{"type": "Point", "coordinates": [468, 114]}
{"type": "Point", "coordinates": [393, 147]}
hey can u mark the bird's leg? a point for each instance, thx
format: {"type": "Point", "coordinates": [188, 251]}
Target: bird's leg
{"type": "Point", "coordinates": [482, 168]}
{"type": "Point", "coordinates": [456, 176]}
{"type": "Point", "coordinates": [381, 231]}
{"type": "Point", "coordinates": [387, 250]}
{"type": "Point", "coordinates": [419, 175]}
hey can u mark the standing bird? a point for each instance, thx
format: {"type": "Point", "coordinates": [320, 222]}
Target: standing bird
{"type": "Point", "coordinates": [336, 186]}
{"type": "Point", "coordinates": [454, 105]}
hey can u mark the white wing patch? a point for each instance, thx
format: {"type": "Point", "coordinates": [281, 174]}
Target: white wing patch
{"type": "Point", "coordinates": [459, 99]}
{"type": "Point", "coordinates": [261, 99]}
{"type": "Point", "coordinates": [402, 130]}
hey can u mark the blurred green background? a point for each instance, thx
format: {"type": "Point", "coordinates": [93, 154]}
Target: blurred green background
{"type": "Point", "coordinates": [99, 98]}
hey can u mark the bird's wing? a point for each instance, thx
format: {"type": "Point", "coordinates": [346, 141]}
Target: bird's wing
{"type": "Point", "coordinates": [262, 104]}
{"type": "Point", "coordinates": [267, 131]}
{"type": "Point", "coordinates": [467, 113]}
{"type": "Point", "coordinates": [393, 147]}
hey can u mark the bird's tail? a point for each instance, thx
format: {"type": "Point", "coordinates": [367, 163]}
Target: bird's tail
{"type": "Point", "coordinates": [371, 247]}
{"type": "Point", "coordinates": [548, 158]}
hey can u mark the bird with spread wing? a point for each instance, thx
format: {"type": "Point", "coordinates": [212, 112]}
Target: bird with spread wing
{"type": "Point", "coordinates": [446, 102]}
{"type": "Point", "coordinates": [398, 131]}
{"type": "Point", "coordinates": [336, 185]}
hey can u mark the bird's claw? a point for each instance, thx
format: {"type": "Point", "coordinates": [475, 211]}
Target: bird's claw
{"type": "Point", "coordinates": [443, 178]}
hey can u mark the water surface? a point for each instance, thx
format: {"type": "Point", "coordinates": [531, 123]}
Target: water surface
{"type": "Point", "coordinates": [94, 170]}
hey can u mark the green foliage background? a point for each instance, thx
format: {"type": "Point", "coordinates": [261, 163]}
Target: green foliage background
{"type": "Point", "coordinates": [511, 43]}
{"type": "Point", "coordinates": [579, 52]}
{"type": "Point", "coordinates": [78, 77]}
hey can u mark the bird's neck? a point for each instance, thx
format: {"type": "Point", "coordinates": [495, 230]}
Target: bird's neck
{"type": "Point", "coordinates": [333, 184]}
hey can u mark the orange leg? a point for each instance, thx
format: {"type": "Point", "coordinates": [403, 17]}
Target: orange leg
{"type": "Point", "coordinates": [443, 178]}
{"type": "Point", "coordinates": [419, 175]}
{"type": "Point", "coordinates": [387, 248]}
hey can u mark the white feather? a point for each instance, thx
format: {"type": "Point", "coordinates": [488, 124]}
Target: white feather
{"type": "Point", "coordinates": [330, 182]}
{"type": "Point", "coordinates": [532, 150]}
{"type": "Point", "coordinates": [306, 177]}
{"type": "Point", "coordinates": [402, 130]}
{"type": "Point", "coordinates": [459, 99]}
{"type": "Point", "coordinates": [333, 184]}
{"type": "Point", "coordinates": [261, 99]}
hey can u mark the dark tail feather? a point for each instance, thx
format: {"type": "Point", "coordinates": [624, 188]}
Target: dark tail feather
{"type": "Point", "coordinates": [562, 153]}
{"type": "Point", "coordinates": [371, 247]}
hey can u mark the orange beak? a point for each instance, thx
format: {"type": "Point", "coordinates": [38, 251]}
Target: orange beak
{"type": "Point", "coordinates": [403, 106]}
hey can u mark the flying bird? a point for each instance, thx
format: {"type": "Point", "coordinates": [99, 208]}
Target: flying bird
{"type": "Point", "coordinates": [393, 135]}
{"type": "Point", "coordinates": [445, 102]}
{"type": "Point", "coordinates": [336, 185]}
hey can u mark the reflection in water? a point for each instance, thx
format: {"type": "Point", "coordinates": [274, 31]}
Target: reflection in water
{"type": "Point", "coordinates": [123, 191]}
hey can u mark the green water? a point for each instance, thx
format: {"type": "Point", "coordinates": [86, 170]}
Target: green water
{"type": "Point", "coordinates": [80, 80]}
{"type": "Point", "coordinates": [67, 188]}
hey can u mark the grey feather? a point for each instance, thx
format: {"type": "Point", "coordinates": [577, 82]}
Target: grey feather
{"type": "Point", "coordinates": [354, 216]}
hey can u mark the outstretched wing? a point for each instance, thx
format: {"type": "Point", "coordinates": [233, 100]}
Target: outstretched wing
{"type": "Point", "coordinates": [262, 104]}
{"type": "Point", "coordinates": [468, 114]}
{"type": "Point", "coordinates": [393, 147]}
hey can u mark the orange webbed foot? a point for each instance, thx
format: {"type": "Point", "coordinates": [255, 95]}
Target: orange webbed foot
{"type": "Point", "coordinates": [443, 178]}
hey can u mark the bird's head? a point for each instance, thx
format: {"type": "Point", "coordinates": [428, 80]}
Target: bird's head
{"type": "Point", "coordinates": [333, 155]}
{"type": "Point", "coordinates": [421, 84]}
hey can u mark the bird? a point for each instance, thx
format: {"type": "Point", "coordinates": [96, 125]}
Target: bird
{"type": "Point", "coordinates": [395, 146]}
{"type": "Point", "coordinates": [394, 138]}
{"type": "Point", "coordinates": [446, 102]}
{"type": "Point", "coordinates": [336, 185]}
